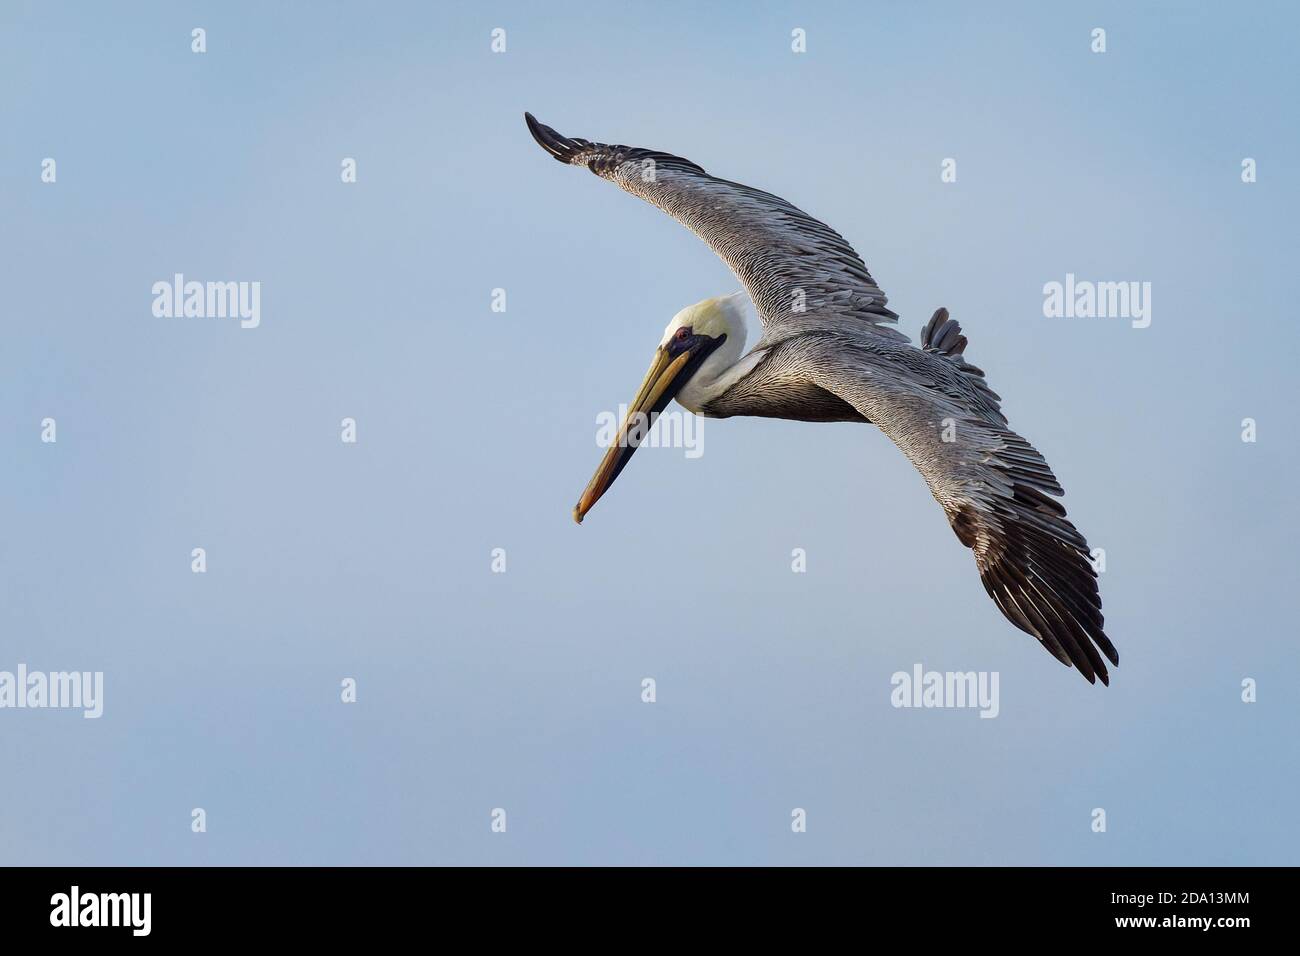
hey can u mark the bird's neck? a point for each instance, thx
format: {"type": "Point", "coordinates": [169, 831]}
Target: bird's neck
{"type": "Point", "coordinates": [712, 381]}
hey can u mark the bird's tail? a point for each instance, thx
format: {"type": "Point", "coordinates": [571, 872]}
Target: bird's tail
{"type": "Point", "coordinates": [942, 335]}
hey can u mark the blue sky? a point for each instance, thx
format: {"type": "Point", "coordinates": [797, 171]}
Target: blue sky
{"type": "Point", "coordinates": [476, 430]}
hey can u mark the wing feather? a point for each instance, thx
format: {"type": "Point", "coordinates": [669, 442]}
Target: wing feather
{"type": "Point", "coordinates": [800, 273]}
{"type": "Point", "coordinates": [996, 489]}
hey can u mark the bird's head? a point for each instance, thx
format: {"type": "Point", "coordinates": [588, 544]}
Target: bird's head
{"type": "Point", "coordinates": [700, 342]}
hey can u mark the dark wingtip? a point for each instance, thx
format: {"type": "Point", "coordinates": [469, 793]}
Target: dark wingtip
{"type": "Point", "coordinates": [561, 147]}
{"type": "Point", "coordinates": [1108, 649]}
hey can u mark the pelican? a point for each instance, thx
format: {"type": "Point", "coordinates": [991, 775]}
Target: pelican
{"type": "Point", "coordinates": [829, 353]}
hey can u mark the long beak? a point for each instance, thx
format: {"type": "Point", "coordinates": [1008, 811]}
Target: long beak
{"type": "Point", "coordinates": [666, 376]}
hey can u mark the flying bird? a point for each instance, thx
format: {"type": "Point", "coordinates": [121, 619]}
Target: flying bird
{"type": "Point", "coordinates": [829, 352]}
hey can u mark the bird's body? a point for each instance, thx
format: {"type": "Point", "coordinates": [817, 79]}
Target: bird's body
{"type": "Point", "coordinates": [829, 352]}
{"type": "Point", "coordinates": [778, 384]}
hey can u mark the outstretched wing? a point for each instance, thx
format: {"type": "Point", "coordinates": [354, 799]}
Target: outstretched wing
{"type": "Point", "coordinates": [800, 273]}
{"type": "Point", "coordinates": [996, 489]}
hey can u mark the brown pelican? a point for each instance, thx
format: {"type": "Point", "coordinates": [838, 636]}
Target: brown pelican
{"type": "Point", "coordinates": [828, 352]}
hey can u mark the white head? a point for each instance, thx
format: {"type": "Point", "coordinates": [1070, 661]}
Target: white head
{"type": "Point", "coordinates": [721, 315]}
{"type": "Point", "coordinates": [700, 347]}
{"type": "Point", "coordinates": [722, 318]}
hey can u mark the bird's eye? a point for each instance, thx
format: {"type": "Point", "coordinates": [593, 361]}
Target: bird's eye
{"type": "Point", "coordinates": [683, 334]}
